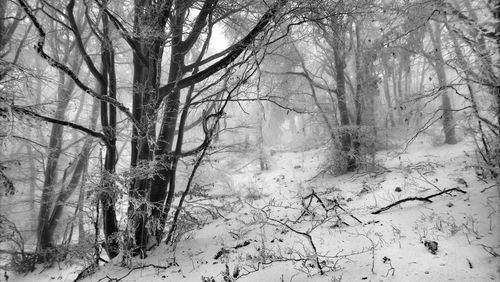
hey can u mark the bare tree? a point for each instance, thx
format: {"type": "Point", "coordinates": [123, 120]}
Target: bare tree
{"type": "Point", "coordinates": [154, 24]}
{"type": "Point", "coordinates": [439, 66]}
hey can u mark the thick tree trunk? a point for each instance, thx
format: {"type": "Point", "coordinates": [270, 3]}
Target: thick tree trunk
{"type": "Point", "coordinates": [345, 134]}
{"type": "Point", "coordinates": [145, 99]}
{"type": "Point", "coordinates": [448, 121]}
{"type": "Point", "coordinates": [163, 185]}
{"type": "Point", "coordinates": [160, 188]}
{"type": "Point", "coordinates": [107, 195]}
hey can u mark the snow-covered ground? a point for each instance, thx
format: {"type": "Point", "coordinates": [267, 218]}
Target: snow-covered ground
{"type": "Point", "coordinates": [263, 232]}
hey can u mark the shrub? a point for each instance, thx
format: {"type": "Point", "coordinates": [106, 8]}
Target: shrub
{"type": "Point", "coordinates": [21, 261]}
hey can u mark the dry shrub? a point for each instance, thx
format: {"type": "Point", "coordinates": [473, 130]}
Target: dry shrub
{"type": "Point", "coordinates": [336, 161]}
{"type": "Point", "coordinates": [20, 260]}
{"type": "Point", "coordinates": [487, 151]}
{"type": "Point", "coordinates": [361, 153]}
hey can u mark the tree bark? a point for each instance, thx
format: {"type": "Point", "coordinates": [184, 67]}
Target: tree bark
{"type": "Point", "coordinates": [160, 189]}
{"type": "Point", "coordinates": [77, 175]}
{"type": "Point", "coordinates": [448, 120]}
{"type": "Point", "coordinates": [107, 195]}
{"type": "Point", "coordinates": [146, 97]}
{"type": "Point", "coordinates": [387, 93]}
{"type": "Point", "coordinates": [345, 134]}
{"type": "Point", "coordinates": [65, 90]}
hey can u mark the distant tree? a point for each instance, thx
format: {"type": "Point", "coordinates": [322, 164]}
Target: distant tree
{"type": "Point", "coordinates": [438, 63]}
{"type": "Point", "coordinates": [8, 25]}
{"type": "Point", "coordinates": [335, 45]}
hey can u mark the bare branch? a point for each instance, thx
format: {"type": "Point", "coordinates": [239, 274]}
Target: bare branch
{"type": "Point", "coordinates": [125, 34]}
{"type": "Point", "coordinates": [79, 41]}
{"type": "Point", "coordinates": [235, 52]}
{"type": "Point", "coordinates": [33, 114]}
{"type": "Point", "coordinates": [66, 70]}
{"type": "Point", "coordinates": [423, 199]}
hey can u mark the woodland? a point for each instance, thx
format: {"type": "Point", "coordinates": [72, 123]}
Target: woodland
{"type": "Point", "coordinates": [249, 140]}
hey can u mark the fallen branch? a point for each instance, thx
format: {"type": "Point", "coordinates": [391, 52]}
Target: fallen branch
{"type": "Point", "coordinates": [423, 199]}
{"type": "Point", "coordinates": [315, 256]}
{"type": "Point", "coordinates": [111, 279]}
{"type": "Point", "coordinates": [484, 190]}
{"type": "Point", "coordinates": [320, 201]}
{"type": "Point", "coordinates": [490, 250]}
{"type": "Point", "coordinates": [224, 251]}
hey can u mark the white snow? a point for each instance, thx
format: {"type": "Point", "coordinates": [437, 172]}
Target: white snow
{"type": "Point", "coordinates": [463, 225]}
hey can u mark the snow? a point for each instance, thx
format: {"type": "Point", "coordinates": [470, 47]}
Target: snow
{"type": "Point", "coordinates": [463, 225]}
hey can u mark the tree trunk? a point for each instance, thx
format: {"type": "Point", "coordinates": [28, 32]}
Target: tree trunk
{"type": "Point", "coordinates": [345, 134]}
{"type": "Point", "coordinates": [65, 90]}
{"type": "Point", "coordinates": [448, 121]}
{"type": "Point", "coordinates": [496, 14]}
{"type": "Point", "coordinates": [107, 195]}
{"type": "Point", "coordinates": [67, 191]}
{"type": "Point", "coordinates": [369, 90]}
{"type": "Point", "coordinates": [160, 188]}
{"type": "Point", "coordinates": [387, 93]}
{"type": "Point", "coordinates": [146, 87]}
{"type": "Point", "coordinates": [395, 94]}
{"type": "Point", "coordinates": [79, 207]}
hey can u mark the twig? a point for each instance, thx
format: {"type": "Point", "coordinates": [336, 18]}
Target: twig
{"type": "Point", "coordinates": [387, 260]}
{"type": "Point", "coordinates": [315, 257]}
{"type": "Point", "coordinates": [39, 48]}
{"type": "Point", "coordinates": [490, 250]}
{"type": "Point", "coordinates": [111, 279]}
{"type": "Point", "coordinates": [355, 218]}
{"type": "Point", "coordinates": [320, 201]}
{"type": "Point", "coordinates": [317, 175]}
{"type": "Point", "coordinates": [484, 190]}
{"type": "Point", "coordinates": [314, 195]}
{"type": "Point", "coordinates": [469, 262]}
{"type": "Point", "coordinates": [423, 199]}
{"type": "Point", "coordinates": [427, 180]}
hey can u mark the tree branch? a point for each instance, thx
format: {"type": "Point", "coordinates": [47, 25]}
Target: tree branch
{"type": "Point", "coordinates": [236, 50]}
{"type": "Point", "coordinates": [33, 114]}
{"type": "Point", "coordinates": [423, 199]}
{"type": "Point", "coordinates": [66, 70]}
{"type": "Point", "coordinates": [125, 34]}
{"type": "Point", "coordinates": [470, 22]}
{"type": "Point", "coordinates": [200, 23]}
{"type": "Point", "coordinates": [90, 64]}
{"type": "Point", "coordinates": [306, 76]}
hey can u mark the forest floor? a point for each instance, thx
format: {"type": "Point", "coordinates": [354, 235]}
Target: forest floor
{"type": "Point", "coordinates": [254, 223]}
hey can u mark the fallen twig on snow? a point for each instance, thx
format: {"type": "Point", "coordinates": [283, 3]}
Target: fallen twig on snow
{"type": "Point", "coordinates": [469, 262]}
{"type": "Point", "coordinates": [224, 250]}
{"type": "Point", "coordinates": [315, 257]}
{"type": "Point", "coordinates": [111, 279]}
{"type": "Point", "coordinates": [423, 199]}
{"type": "Point", "coordinates": [490, 250]}
{"type": "Point", "coordinates": [320, 201]}
{"type": "Point", "coordinates": [484, 190]}
{"type": "Point", "coordinates": [387, 260]}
